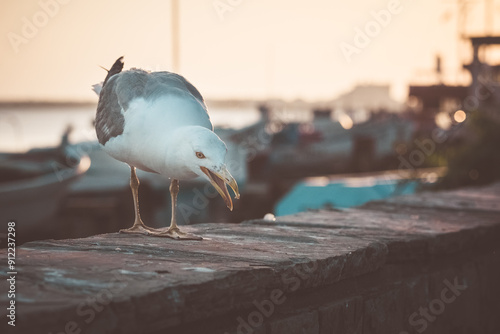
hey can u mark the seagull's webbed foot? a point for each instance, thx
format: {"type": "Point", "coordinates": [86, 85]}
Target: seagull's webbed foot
{"type": "Point", "coordinates": [174, 232]}
{"type": "Point", "coordinates": [139, 229]}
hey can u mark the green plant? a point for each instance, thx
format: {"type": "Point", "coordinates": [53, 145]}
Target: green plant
{"type": "Point", "coordinates": [472, 152]}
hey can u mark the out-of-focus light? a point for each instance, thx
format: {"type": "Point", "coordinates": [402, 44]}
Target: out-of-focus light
{"type": "Point", "coordinates": [360, 182]}
{"type": "Point", "coordinates": [84, 164]}
{"type": "Point", "coordinates": [459, 116]}
{"type": "Point", "coordinates": [431, 177]}
{"type": "Point", "coordinates": [318, 181]}
{"type": "Point", "coordinates": [345, 121]}
{"type": "Point", "coordinates": [412, 102]}
{"type": "Point", "coordinates": [274, 127]}
{"type": "Point", "coordinates": [443, 120]}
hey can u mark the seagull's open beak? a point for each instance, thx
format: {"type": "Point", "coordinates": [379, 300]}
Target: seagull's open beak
{"type": "Point", "coordinates": [219, 181]}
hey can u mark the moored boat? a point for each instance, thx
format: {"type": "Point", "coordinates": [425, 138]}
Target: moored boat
{"type": "Point", "coordinates": [32, 185]}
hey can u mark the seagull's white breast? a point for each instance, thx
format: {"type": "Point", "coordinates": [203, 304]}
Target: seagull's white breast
{"type": "Point", "coordinates": [148, 129]}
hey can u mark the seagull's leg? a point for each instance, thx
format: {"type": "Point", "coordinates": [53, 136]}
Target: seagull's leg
{"type": "Point", "coordinates": [174, 190]}
{"type": "Point", "coordinates": [173, 231]}
{"type": "Point", "coordinates": [138, 226]}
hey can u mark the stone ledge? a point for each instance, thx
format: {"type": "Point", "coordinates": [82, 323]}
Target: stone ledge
{"type": "Point", "coordinates": [117, 283]}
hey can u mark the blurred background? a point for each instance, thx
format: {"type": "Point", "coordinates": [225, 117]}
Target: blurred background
{"type": "Point", "coordinates": [323, 104]}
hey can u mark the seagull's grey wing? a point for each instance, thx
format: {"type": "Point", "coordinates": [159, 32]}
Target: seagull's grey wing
{"type": "Point", "coordinates": [122, 88]}
{"type": "Point", "coordinates": [175, 80]}
{"type": "Point", "coordinates": [137, 83]}
{"type": "Point", "coordinates": [171, 84]}
{"type": "Point", "coordinates": [114, 100]}
{"type": "Point", "coordinates": [109, 120]}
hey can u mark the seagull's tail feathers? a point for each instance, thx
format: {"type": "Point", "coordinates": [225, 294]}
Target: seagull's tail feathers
{"type": "Point", "coordinates": [115, 69]}
{"type": "Point", "coordinates": [97, 88]}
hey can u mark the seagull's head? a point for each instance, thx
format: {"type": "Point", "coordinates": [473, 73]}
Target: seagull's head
{"type": "Point", "coordinates": [204, 153]}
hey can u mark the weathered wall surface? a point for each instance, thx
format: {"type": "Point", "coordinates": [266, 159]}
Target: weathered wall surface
{"type": "Point", "coordinates": [428, 263]}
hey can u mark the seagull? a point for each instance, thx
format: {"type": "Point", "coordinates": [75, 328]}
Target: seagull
{"type": "Point", "coordinates": [158, 122]}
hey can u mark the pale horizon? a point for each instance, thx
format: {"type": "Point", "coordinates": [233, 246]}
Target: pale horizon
{"type": "Point", "coordinates": [254, 50]}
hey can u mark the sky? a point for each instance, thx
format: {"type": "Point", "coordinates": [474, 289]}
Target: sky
{"type": "Point", "coordinates": [252, 49]}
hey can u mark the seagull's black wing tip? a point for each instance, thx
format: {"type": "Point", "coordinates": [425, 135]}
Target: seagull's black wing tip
{"type": "Point", "coordinates": [117, 66]}
{"type": "Point", "coordinates": [115, 69]}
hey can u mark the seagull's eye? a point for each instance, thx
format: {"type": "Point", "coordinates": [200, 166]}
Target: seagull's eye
{"type": "Point", "coordinates": [200, 155]}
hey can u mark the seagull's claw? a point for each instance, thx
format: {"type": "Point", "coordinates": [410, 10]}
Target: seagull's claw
{"type": "Point", "coordinates": [138, 229]}
{"type": "Point", "coordinates": [175, 233]}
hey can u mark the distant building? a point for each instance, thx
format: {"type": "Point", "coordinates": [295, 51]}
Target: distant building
{"type": "Point", "coordinates": [483, 92]}
{"type": "Point", "coordinates": [434, 99]}
{"type": "Point", "coordinates": [369, 98]}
